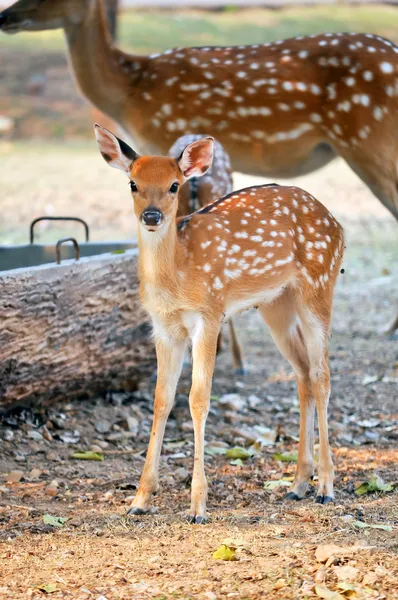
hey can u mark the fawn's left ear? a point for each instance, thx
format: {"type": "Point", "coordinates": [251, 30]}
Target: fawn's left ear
{"type": "Point", "coordinates": [197, 158]}
{"type": "Point", "coordinates": [117, 153]}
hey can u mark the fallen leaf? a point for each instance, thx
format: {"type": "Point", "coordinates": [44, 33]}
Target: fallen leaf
{"type": "Point", "coordinates": [14, 476]}
{"type": "Point", "coordinates": [346, 573]}
{"type": "Point", "coordinates": [54, 521]}
{"type": "Point", "coordinates": [118, 251]}
{"type": "Point", "coordinates": [238, 452]}
{"type": "Point", "coordinates": [326, 551]}
{"type": "Point", "coordinates": [215, 450]}
{"type": "Point", "coordinates": [323, 592]}
{"type": "Point", "coordinates": [234, 543]}
{"type": "Point", "coordinates": [320, 575]}
{"type": "Point", "coordinates": [225, 552]}
{"type": "Point", "coordinates": [48, 588]}
{"type": "Point", "coordinates": [362, 525]}
{"type": "Point", "coordinates": [370, 578]}
{"type": "Point", "coordinates": [265, 436]}
{"type": "Point", "coordinates": [89, 455]}
{"type": "Point", "coordinates": [368, 379]}
{"type": "Point", "coordinates": [374, 484]}
{"type": "Point", "coordinates": [369, 423]}
{"type": "Point", "coordinates": [286, 456]}
{"type": "Point", "coordinates": [345, 586]}
{"type": "Point", "coordinates": [281, 583]}
{"type": "Point", "coordinates": [275, 483]}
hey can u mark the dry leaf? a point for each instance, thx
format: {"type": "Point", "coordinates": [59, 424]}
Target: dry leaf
{"type": "Point", "coordinates": [323, 592]}
{"type": "Point", "coordinates": [14, 476]}
{"type": "Point", "coordinates": [346, 573]}
{"type": "Point", "coordinates": [234, 543]}
{"type": "Point", "coordinates": [281, 583]}
{"type": "Point", "coordinates": [48, 588]}
{"type": "Point", "coordinates": [272, 484]}
{"type": "Point", "coordinates": [324, 552]}
{"type": "Point", "coordinates": [370, 578]}
{"type": "Point", "coordinates": [320, 575]}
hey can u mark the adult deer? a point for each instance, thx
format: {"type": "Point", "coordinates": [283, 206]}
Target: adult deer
{"type": "Point", "coordinates": [273, 247]}
{"type": "Point", "coordinates": [279, 109]}
{"type": "Point", "coordinates": [196, 193]}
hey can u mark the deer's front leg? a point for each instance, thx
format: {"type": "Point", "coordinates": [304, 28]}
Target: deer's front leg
{"type": "Point", "coordinates": [204, 347]}
{"type": "Point", "coordinates": [170, 356]}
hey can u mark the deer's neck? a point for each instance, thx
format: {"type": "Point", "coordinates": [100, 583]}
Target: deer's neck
{"type": "Point", "coordinates": [159, 257]}
{"type": "Point", "coordinates": [97, 65]}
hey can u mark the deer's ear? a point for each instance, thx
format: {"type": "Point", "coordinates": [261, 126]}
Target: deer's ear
{"type": "Point", "coordinates": [197, 158]}
{"type": "Point", "coordinates": [117, 153]}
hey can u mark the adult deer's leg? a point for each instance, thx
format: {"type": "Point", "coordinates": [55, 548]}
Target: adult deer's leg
{"type": "Point", "coordinates": [170, 356]}
{"type": "Point", "coordinates": [380, 174]}
{"type": "Point", "coordinates": [236, 350]}
{"type": "Point", "coordinates": [204, 345]}
{"type": "Point", "coordinates": [282, 319]}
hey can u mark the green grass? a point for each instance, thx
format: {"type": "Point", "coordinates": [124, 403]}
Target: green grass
{"type": "Point", "coordinates": [148, 31]}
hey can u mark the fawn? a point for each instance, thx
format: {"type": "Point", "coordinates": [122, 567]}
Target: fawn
{"type": "Point", "coordinates": [196, 193]}
{"type": "Point", "coordinates": [273, 247]}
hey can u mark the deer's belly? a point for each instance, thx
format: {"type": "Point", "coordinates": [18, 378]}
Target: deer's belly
{"type": "Point", "coordinates": [244, 302]}
{"type": "Point", "coordinates": [273, 160]}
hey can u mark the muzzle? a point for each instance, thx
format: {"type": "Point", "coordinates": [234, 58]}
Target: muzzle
{"type": "Point", "coordinates": [151, 217]}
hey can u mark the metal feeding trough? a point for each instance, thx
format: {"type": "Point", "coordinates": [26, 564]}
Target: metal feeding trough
{"type": "Point", "coordinates": [74, 328]}
{"type": "Point", "coordinates": [32, 255]}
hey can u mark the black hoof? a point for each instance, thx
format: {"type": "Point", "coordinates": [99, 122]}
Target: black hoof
{"type": "Point", "coordinates": [293, 496]}
{"type": "Point", "coordinates": [324, 499]}
{"type": "Point", "coordinates": [134, 510]}
{"type": "Point", "coordinates": [241, 371]}
{"type": "Point", "coordinates": [198, 520]}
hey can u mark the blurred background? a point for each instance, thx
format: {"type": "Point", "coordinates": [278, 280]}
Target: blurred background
{"type": "Point", "coordinates": [49, 161]}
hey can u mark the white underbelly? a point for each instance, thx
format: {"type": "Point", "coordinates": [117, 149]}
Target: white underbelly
{"type": "Point", "coordinates": [236, 305]}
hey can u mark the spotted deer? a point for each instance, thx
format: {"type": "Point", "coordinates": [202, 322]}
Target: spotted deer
{"type": "Point", "coordinates": [279, 109]}
{"type": "Point", "coordinates": [199, 191]}
{"type": "Point", "coordinates": [273, 247]}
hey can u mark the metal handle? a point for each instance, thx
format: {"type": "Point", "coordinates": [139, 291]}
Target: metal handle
{"type": "Point", "coordinates": [58, 248]}
{"type": "Point", "coordinates": [33, 223]}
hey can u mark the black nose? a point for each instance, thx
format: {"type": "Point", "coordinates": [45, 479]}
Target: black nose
{"type": "Point", "coordinates": [3, 18]}
{"type": "Point", "coordinates": [151, 216]}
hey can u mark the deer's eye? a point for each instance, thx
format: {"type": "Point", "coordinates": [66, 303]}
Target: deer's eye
{"type": "Point", "coordinates": [133, 186]}
{"type": "Point", "coordinates": [174, 188]}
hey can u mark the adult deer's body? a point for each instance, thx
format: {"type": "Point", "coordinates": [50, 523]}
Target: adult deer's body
{"type": "Point", "coordinates": [199, 191]}
{"type": "Point", "coordinates": [273, 247]}
{"type": "Point", "coordinates": [279, 109]}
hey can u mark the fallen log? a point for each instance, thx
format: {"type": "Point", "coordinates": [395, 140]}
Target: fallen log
{"type": "Point", "coordinates": [72, 331]}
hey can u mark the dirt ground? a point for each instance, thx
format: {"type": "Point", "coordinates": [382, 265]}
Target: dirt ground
{"type": "Point", "coordinates": [100, 554]}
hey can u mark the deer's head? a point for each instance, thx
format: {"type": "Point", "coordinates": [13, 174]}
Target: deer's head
{"type": "Point", "coordinates": [155, 180]}
{"type": "Point", "coordinates": [36, 15]}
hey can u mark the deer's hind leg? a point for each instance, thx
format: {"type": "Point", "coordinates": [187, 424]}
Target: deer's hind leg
{"type": "Point", "coordinates": [283, 321]}
{"type": "Point", "coordinates": [315, 329]}
{"type": "Point", "coordinates": [382, 179]}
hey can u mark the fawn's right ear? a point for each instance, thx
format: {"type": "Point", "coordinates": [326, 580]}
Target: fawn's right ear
{"type": "Point", "coordinates": [116, 152]}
